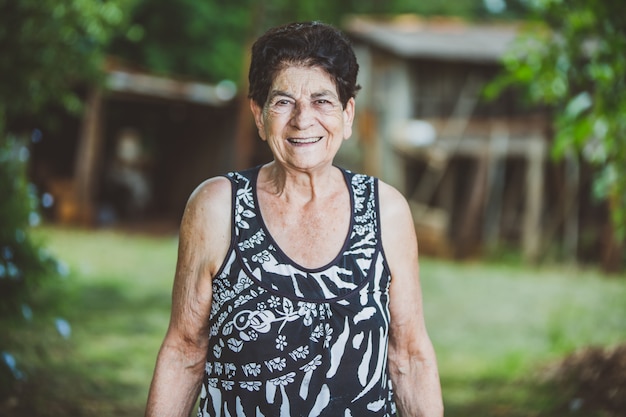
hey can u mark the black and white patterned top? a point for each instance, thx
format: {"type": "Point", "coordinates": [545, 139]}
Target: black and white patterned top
{"type": "Point", "coordinates": [290, 341]}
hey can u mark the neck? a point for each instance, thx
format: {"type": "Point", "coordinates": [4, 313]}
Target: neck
{"type": "Point", "coordinates": [296, 185]}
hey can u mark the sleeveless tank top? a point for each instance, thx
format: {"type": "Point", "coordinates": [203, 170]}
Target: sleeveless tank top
{"type": "Point", "coordinates": [285, 340]}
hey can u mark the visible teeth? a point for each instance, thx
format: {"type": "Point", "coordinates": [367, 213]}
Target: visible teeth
{"type": "Point", "coordinates": [304, 140]}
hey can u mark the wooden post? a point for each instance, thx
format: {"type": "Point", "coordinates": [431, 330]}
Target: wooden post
{"type": "Point", "coordinates": [469, 235]}
{"type": "Point", "coordinates": [531, 232]}
{"type": "Point", "coordinates": [88, 156]}
{"type": "Point", "coordinates": [498, 145]}
{"type": "Point", "coordinates": [572, 183]}
{"type": "Point", "coordinates": [398, 109]}
{"type": "Point", "coordinates": [612, 247]}
{"type": "Point", "coordinates": [245, 133]}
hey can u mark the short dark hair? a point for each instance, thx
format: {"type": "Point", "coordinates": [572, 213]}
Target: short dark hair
{"type": "Point", "coordinates": [312, 44]}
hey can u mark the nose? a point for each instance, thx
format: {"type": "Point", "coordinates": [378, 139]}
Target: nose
{"type": "Point", "coordinates": [302, 116]}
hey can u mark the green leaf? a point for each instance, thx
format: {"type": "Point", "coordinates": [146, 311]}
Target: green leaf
{"type": "Point", "coordinates": [578, 105]}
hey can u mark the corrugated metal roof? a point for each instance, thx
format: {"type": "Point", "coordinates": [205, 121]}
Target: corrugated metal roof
{"type": "Point", "coordinates": [440, 38]}
{"type": "Point", "coordinates": [124, 79]}
{"type": "Point", "coordinates": [162, 87]}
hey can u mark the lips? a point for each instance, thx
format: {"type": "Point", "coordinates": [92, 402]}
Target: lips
{"type": "Point", "coordinates": [304, 141]}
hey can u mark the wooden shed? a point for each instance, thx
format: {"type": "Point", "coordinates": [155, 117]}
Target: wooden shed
{"type": "Point", "coordinates": [474, 170]}
{"type": "Point", "coordinates": [142, 145]}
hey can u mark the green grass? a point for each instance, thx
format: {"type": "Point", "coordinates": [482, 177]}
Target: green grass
{"type": "Point", "coordinates": [496, 328]}
{"type": "Point", "coordinates": [117, 299]}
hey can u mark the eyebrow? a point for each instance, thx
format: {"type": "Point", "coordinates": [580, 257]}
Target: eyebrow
{"type": "Point", "coordinates": [324, 93]}
{"type": "Point", "coordinates": [277, 93]}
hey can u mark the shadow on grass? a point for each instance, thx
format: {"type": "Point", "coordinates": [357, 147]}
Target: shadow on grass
{"type": "Point", "coordinates": [498, 397]}
{"type": "Point", "coordinates": [57, 381]}
{"type": "Point", "coordinates": [103, 369]}
{"type": "Point", "coordinates": [66, 391]}
{"type": "Point", "coordinates": [97, 298]}
{"type": "Point", "coordinates": [62, 383]}
{"type": "Point", "coordinates": [63, 390]}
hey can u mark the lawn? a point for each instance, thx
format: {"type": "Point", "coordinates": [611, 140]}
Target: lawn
{"type": "Point", "coordinates": [498, 328]}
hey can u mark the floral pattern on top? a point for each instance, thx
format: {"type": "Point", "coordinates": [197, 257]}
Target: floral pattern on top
{"type": "Point", "coordinates": [289, 341]}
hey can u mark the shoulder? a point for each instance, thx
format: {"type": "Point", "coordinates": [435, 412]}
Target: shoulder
{"type": "Point", "coordinates": [396, 219]}
{"type": "Point", "coordinates": [392, 203]}
{"type": "Point", "coordinates": [211, 198]}
{"type": "Point", "coordinates": [206, 223]}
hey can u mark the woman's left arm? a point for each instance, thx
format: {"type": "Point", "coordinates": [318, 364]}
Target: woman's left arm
{"type": "Point", "coordinates": [412, 361]}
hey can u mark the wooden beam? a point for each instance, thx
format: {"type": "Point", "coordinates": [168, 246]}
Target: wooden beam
{"type": "Point", "coordinates": [469, 146]}
{"type": "Point", "coordinates": [148, 85]}
{"type": "Point", "coordinates": [531, 227]}
{"type": "Point", "coordinates": [495, 184]}
{"type": "Point", "coordinates": [469, 237]}
{"type": "Point", "coordinates": [87, 157]}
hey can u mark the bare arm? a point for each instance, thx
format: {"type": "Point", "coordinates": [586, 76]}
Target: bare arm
{"type": "Point", "coordinates": [412, 361]}
{"type": "Point", "coordinates": [204, 241]}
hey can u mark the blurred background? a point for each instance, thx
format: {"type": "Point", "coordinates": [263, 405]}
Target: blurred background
{"type": "Point", "coordinates": [502, 121]}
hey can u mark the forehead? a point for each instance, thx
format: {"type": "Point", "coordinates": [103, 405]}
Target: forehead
{"type": "Point", "coordinates": [303, 80]}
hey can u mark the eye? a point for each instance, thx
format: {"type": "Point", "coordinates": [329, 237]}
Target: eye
{"type": "Point", "coordinates": [324, 103]}
{"type": "Point", "coordinates": [281, 105]}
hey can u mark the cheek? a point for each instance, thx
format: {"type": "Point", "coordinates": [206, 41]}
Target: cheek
{"type": "Point", "coordinates": [268, 123]}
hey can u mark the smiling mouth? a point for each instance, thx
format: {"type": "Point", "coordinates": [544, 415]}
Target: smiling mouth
{"type": "Point", "coordinates": [304, 141]}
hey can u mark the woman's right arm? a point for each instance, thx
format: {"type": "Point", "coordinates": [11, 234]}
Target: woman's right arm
{"type": "Point", "coordinates": [204, 241]}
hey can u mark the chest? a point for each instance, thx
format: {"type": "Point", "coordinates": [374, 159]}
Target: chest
{"type": "Point", "coordinates": [312, 235]}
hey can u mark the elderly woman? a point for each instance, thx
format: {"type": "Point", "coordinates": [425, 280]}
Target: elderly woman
{"type": "Point", "coordinates": [297, 287]}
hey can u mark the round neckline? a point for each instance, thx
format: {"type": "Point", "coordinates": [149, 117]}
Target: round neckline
{"type": "Point", "coordinates": [279, 250]}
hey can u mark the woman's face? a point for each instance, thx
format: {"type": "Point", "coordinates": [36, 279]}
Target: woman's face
{"type": "Point", "coordinates": [303, 120]}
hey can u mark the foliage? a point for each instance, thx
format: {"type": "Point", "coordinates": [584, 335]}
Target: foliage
{"type": "Point", "coordinates": [573, 62]}
{"type": "Point", "coordinates": [21, 262]}
{"type": "Point", "coordinates": [200, 39]}
{"type": "Point", "coordinates": [24, 265]}
{"type": "Point", "coordinates": [208, 39]}
{"type": "Point", "coordinates": [48, 48]}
